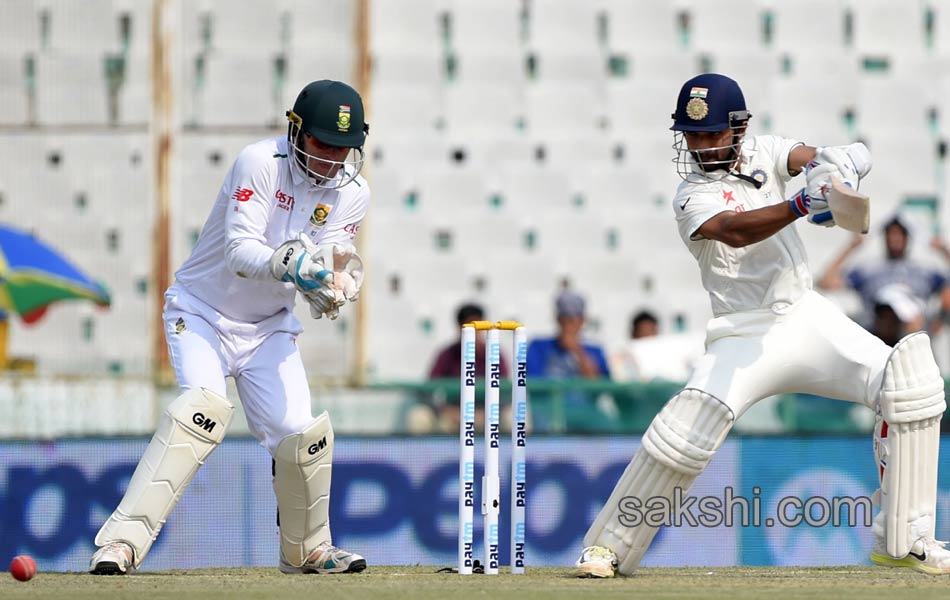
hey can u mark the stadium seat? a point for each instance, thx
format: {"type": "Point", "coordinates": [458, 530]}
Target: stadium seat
{"type": "Point", "coordinates": [317, 27]}
{"type": "Point", "coordinates": [410, 26]}
{"type": "Point", "coordinates": [398, 344]}
{"type": "Point", "coordinates": [798, 112]}
{"type": "Point", "coordinates": [389, 147]}
{"type": "Point", "coordinates": [254, 30]}
{"type": "Point", "coordinates": [640, 26]}
{"type": "Point", "coordinates": [90, 27]}
{"type": "Point", "coordinates": [217, 103]}
{"type": "Point", "coordinates": [574, 152]}
{"type": "Point", "coordinates": [712, 26]}
{"type": "Point", "coordinates": [336, 62]}
{"type": "Point", "coordinates": [492, 150]}
{"type": "Point", "coordinates": [563, 108]}
{"type": "Point", "coordinates": [490, 71]}
{"type": "Point", "coordinates": [489, 26]}
{"type": "Point", "coordinates": [578, 67]}
{"type": "Point", "coordinates": [889, 105]}
{"type": "Point", "coordinates": [71, 90]}
{"type": "Point", "coordinates": [415, 68]}
{"type": "Point", "coordinates": [550, 22]}
{"type": "Point", "coordinates": [479, 109]}
{"type": "Point", "coordinates": [664, 69]}
{"type": "Point", "coordinates": [458, 191]}
{"type": "Point", "coordinates": [527, 192]}
{"type": "Point", "coordinates": [796, 26]}
{"type": "Point", "coordinates": [19, 28]}
{"type": "Point", "coordinates": [14, 108]}
{"type": "Point", "coordinates": [403, 108]}
{"type": "Point", "coordinates": [139, 35]}
{"type": "Point", "coordinates": [755, 72]}
{"type": "Point", "coordinates": [134, 96]}
{"type": "Point", "coordinates": [883, 28]}
{"type": "Point", "coordinates": [635, 105]}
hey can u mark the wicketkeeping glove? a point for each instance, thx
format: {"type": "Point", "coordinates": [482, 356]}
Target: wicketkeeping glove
{"type": "Point", "coordinates": [303, 264]}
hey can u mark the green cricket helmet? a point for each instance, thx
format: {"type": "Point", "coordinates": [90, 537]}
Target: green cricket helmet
{"type": "Point", "coordinates": [331, 112]}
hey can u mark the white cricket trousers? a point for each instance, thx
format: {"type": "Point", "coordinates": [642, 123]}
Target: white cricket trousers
{"type": "Point", "coordinates": [807, 347]}
{"type": "Point", "coordinates": [263, 360]}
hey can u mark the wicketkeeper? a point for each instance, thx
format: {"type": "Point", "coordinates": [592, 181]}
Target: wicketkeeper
{"type": "Point", "coordinates": [283, 223]}
{"type": "Point", "coordinates": [772, 334]}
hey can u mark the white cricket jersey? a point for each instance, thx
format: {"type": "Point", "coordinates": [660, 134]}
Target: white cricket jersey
{"type": "Point", "coordinates": [264, 201]}
{"type": "Point", "coordinates": [772, 271]}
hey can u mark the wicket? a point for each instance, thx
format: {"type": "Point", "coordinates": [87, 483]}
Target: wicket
{"type": "Point", "coordinates": [490, 481]}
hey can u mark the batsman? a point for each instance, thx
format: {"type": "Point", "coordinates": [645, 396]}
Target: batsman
{"type": "Point", "coordinates": [772, 334]}
{"type": "Point", "coordinates": [282, 224]}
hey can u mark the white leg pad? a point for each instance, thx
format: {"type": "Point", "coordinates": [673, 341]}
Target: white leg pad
{"type": "Point", "coordinates": [189, 430]}
{"type": "Point", "coordinates": [907, 444]}
{"type": "Point", "coordinates": [675, 449]}
{"type": "Point", "coordinates": [302, 467]}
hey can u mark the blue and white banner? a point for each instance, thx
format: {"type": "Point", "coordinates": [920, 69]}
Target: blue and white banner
{"type": "Point", "coordinates": [395, 501]}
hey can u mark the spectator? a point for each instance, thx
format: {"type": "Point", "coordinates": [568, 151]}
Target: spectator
{"type": "Point", "coordinates": [644, 324]}
{"type": "Point", "coordinates": [896, 313]}
{"type": "Point", "coordinates": [441, 410]}
{"type": "Point", "coordinates": [920, 281]}
{"type": "Point", "coordinates": [651, 355]}
{"type": "Point", "coordinates": [447, 362]}
{"type": "Point", "coordinates": [565, 356]}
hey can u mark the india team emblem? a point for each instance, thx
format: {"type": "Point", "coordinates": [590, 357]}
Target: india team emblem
{"type": "Point", "coordinates": [320, 214]}
{"type": "Point", "coordinates": [761, 176]}
{"type": "Point", "coordinates": [343, 118]}
{"type": "Point", "coordinates": [696, 108]}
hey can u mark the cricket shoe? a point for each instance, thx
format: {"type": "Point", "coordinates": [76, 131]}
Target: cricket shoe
{"type": "Point", "coordinates": [596, 561]}
{"type": "Point", "coordinates": [327, 558]}
{"type": "Point", "coordinates": [115, 558]}
{"type": "Point", "coordinates": [927, 555]}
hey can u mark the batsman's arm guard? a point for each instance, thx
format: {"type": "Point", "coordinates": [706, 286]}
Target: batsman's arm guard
{"type": "Point", "coordinates": [189, 430]}
{"type": "Point", "coordinates": [675, 449]}
{"type": "Point", "coordinates": [907, 444]}
{"type": "Point", "coordinates": [302, 467]}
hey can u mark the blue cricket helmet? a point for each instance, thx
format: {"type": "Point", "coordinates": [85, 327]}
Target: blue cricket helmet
{"type": "Point", "coordinates": [709, 102]}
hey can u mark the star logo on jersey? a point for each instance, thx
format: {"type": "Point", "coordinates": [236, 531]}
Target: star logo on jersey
{"type": "Point", "coordinates": [343, 118]}
{"type": "Point", "coordinates": [179, 325]}
{"type": "Point", "coordinates": [320, 215]}
{"type": "Point", "coordinates": [727, 196]}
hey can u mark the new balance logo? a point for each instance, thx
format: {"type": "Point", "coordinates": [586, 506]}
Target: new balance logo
{"type": "Point", "coordinates": [243, 194]}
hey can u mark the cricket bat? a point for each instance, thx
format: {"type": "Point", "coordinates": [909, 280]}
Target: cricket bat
{"type": "Point", "coordinates": [850, 208]}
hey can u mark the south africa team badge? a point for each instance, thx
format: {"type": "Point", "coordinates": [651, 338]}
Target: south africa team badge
{"type": "Point", "coordinates": [320, 215]}
{"type": "Point", "coordinates": [343, 118]}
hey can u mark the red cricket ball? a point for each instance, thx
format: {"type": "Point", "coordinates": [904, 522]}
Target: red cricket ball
{"type": "Point", "coordinates": [23, 568]}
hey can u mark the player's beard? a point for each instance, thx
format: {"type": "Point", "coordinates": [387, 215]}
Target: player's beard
{"type": "Point", "coordinates": [716, 160]}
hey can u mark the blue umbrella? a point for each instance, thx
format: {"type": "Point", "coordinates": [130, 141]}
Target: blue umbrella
{"type": "Point", "coordinates": [33, 275]}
